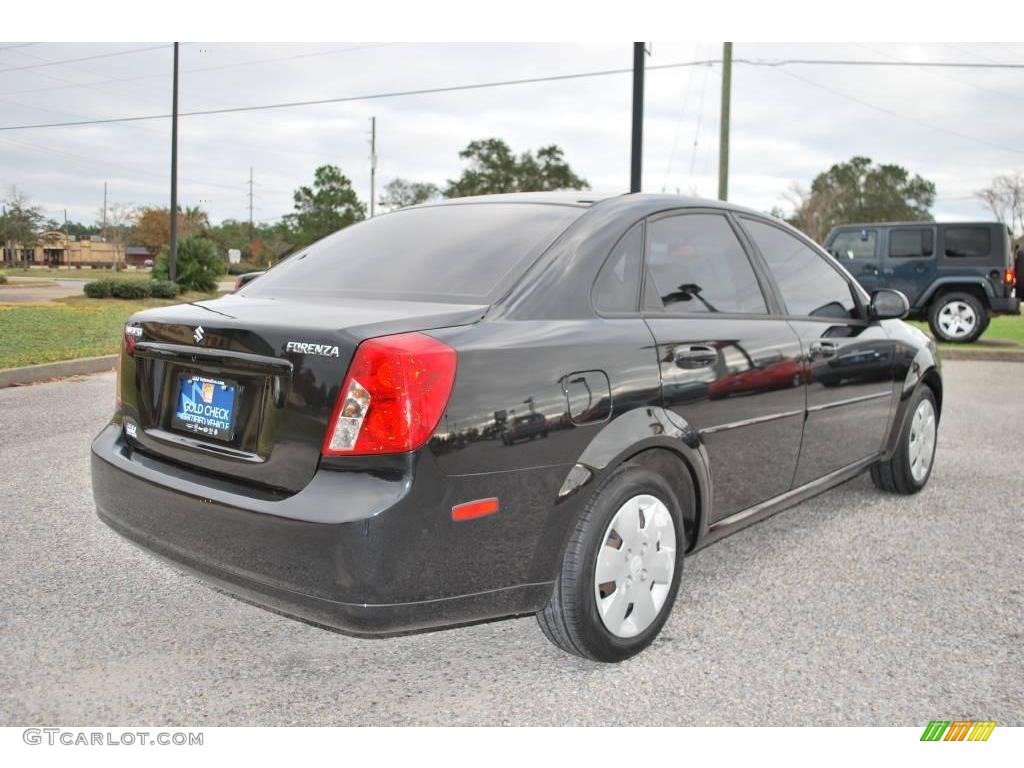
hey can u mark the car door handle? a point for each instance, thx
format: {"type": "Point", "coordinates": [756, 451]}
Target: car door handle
{"type": "Point", "coordinates": [695, 356]}
{"type": "Point", "coordinates": [824, 349]}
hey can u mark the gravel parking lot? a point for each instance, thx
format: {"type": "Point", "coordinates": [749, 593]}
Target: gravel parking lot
{"type": "Point", "coordinates": [853, 608]}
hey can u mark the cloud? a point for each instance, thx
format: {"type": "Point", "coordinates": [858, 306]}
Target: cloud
{"type": "Point", "coordinates": [958, 128]}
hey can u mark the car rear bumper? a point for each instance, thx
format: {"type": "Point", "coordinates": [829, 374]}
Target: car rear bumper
{"type": "Point", "coordinates": [1007, 306]}
{"type": "Point", "coordinates": [346, 552]}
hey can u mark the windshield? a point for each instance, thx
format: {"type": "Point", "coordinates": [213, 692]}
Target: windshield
{"type": "Point", "coordinates": [469, 253]}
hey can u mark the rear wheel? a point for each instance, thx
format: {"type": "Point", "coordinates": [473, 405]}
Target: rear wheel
{"type": "Point", "coordinates": [621, 568]}
{"type": "Point", "coordinates": [958, 318]}
{"type": "Point", "coordinates": [910, 467]}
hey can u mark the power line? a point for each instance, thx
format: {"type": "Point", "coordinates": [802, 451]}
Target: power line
{"type": "Point", "coordinates": [215, 68]}
{"type": "Point", "coordinates": [503, 83]}
{"type": "Point", "coordinates": [84, 58]}
{"type": "Point", "coordinates": [894, 113]}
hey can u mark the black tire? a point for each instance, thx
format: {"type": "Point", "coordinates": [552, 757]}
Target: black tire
{"type": "Point", "coordinates": [894, 475]}
{"type": "Point", "coordinates": [976, 305]}
{"type": "Point", "coordinates": [571, 619]}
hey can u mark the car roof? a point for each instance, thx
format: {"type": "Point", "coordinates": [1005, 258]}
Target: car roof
{"type": "Point", "coordinates": [646, 202]}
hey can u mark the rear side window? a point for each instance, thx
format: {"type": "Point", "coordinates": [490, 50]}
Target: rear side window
{"type": "Point", "coordinates": [911, 243]}
{"type": "Point", "coordinates": [855, 245]}
{"type": "Point", "coordinates": [695, 263]}
{"type": "Point", "coordinates": [456, 253]}
{"type": "Point", "coordinates": [810, 286]}
{"type": "Point", "coordinates": [967, 242]}
{"type": "Point", "coordinates": [618, 285]}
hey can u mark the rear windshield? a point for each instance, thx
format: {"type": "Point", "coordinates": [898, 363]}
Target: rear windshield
{"type": "Point", "coordinates": [469, 253]}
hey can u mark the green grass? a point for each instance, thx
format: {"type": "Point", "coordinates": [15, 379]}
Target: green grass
{"type": "Point", "coordinates": [78, 274]}
{"type": "Point", "coordinates": [1006, 328]}
{"type": "Point", "coordinates": [67, 328]}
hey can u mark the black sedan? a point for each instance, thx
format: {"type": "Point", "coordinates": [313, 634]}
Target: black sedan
{"type": "Point", "coordinates": [332, 440]}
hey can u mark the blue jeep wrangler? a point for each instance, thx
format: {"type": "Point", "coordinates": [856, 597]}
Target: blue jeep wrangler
{"type": "Point", "coordinates": [955, 275]}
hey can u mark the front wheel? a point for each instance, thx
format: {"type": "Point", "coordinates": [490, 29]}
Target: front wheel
{"type": "Point", "coordinates": [621, 568]}
{"type": "Point", "coordinates": [910, 467]}
{"type": "Point", "coordinates": [958, 318]}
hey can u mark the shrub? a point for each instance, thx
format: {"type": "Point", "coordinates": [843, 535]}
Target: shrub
{"type": "Point", "coordinates": [98, 289]}
{"type": "Point", "coordinates": [242, 267]}
{"type": "Point", "coordinates": [130, 289]}
{"type": "Point", "coordinates": [198, 265]}
{"type": "Point", "coordinates": [163, 289]}
{"type": "Point", "coordinates": [3, 279]}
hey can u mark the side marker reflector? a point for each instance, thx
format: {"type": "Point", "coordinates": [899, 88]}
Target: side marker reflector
{"type": "Point", "coordinates": [474, 509]}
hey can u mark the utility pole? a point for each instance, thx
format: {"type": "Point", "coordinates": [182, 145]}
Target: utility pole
{"type": "Point", "coordinates": [173, 254]}
{"type": "Point", "coordinates": [723, 139]}
{"type": "Point", "coordinates": [67, 243]}
{"type": "Point", "coordinates": [373, 165]}
{"type": "Point", "coordinates": [104, 211]}
{"type": "Point", "coordinates": [250, 205]}
{"type": "Point", "coordinates": [636, 167]}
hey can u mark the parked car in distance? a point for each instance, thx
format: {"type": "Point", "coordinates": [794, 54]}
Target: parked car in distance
{"type": "Point", "coordinates": [148, 263]}
{"type": "Point", "coordinates": [526, 427]}
{"type": "Point", "coordinates": [956, 275]}
{"type": "Point", "coordinates": [332, 440]}
{"type": "Point", "coordinates": [246, 277]}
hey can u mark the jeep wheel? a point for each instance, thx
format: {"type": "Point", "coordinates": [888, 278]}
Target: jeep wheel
{"type": "Point", "coordinates": [621, 568]}
{"type": "Point", "coordinates": [958, 318]}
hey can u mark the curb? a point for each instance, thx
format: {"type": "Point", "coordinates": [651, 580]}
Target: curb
{"type": "Point", "coordinates": [32, 374]}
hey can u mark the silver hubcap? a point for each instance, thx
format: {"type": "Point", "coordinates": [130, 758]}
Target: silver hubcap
{"type": "Point", "coordinates": [957, 320]}
{"type": "Point", "coordinates": [635, 566]}
{"type": "Point", "coordinates": [921, 447]}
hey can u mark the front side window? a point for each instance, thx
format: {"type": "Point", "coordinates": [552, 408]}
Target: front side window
{"type": "Point", "coordinates": [810, 286]}
{"type": "Point", "coordinates": [695, 263]}
{"type": "Point", "coordinates": [967, 242]}
{"type": "Point", "coordinates": [855, 245]}
{"type": "Point", "coordinates": [911, 243]}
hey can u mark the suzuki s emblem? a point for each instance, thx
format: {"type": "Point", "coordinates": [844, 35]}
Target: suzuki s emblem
{"type": "Point", "coordinates": [198, 334]}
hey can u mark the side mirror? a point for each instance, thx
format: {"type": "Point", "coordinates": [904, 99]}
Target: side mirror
{"type": "Point", "coordinates": [887, 304]}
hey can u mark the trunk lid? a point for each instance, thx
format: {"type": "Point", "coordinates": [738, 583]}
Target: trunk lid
{"type": "Point", "coordinates": [272, 370]}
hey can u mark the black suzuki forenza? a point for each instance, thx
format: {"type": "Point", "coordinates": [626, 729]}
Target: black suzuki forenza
{"type": "Point", "coordinates": [505, 405]}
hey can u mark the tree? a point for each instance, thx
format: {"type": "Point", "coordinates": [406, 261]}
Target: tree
{"type": "Point", "coordinates": [20, 221]}
{"type": "Point", "coordinates": [494, 168]}
{"type": "Point", "coordinates": [229, 234]}
{"type": "Point", "coordinates": [329, 205]}
{"type": "Point", "coordinates": [860, 191]}
{"type": "Point", "coordinates": [1005, 198]}
{"type": "Point", "coordinates": [153, 228]}
{"type": "Point", "coordinates": [120, 220]}
{"type": "Point", "coordinates": [400, 193]}
{"type": "Point", "coordinates": [197, 265]}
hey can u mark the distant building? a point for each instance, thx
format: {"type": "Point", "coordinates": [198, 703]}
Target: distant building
{"type": "Point", "coordinates": [55, 249]}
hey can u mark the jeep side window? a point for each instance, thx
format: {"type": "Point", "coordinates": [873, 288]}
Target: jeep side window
{"type": "Point", "coordinates": [911, 243]}
{"type": "Point", "coordinates": [855, 245]}
{"type": "Point", "coordinates": [967, 242]}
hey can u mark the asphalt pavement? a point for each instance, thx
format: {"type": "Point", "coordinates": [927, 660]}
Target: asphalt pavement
{"type": "Point", "coordinates": [24, 290]}
{"type": "Point", "coordinates": [854, 608]}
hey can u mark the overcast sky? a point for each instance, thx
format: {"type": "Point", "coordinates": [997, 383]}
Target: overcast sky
{"type": "Point", "coordinates": [956, 127]}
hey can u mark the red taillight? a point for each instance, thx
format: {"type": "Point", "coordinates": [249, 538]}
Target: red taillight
{"type": "Point", "coordinates": [238, 283]}
{"type": "Point", "coordinates": [394, 395]}
{"type": "Point", "coordinates": [131, 335]}
{"type": "Point", "coordinates": [1009, 276]}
